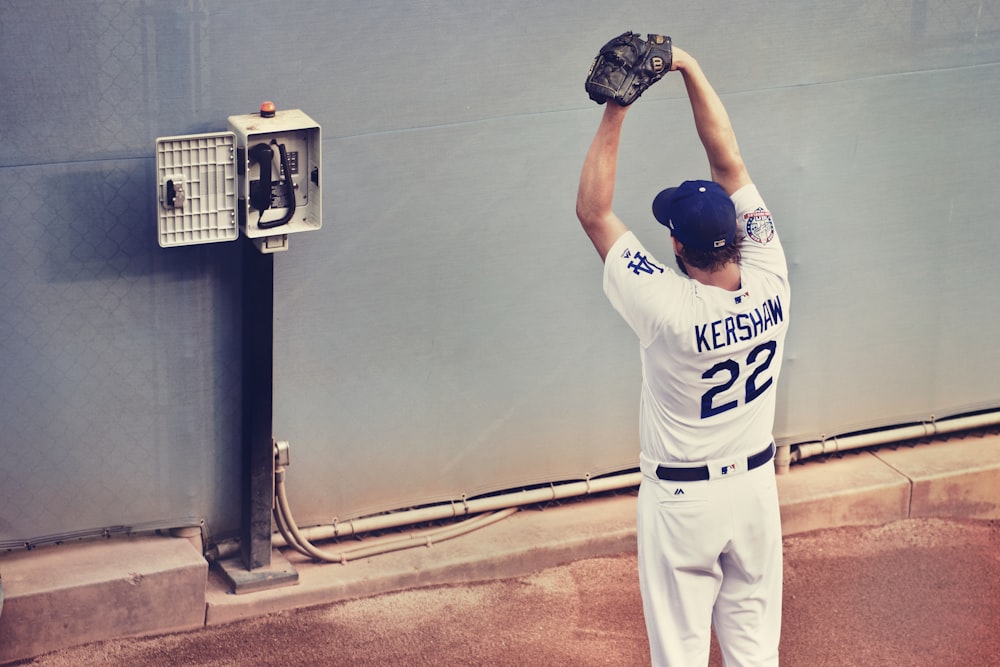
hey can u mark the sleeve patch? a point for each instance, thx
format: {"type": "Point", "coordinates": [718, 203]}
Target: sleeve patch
{"type": "Point", "coordinates": [759, 226]}
{"type": "Point", "coordinates": [640, 263]}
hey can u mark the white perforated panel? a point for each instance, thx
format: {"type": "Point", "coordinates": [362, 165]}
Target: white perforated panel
{"type": "Point", "coordinates": [196, 186]}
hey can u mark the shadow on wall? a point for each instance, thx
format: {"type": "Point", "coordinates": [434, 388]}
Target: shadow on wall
{"type": "Point", "coordinates": [100, 224]}
{"type": "Point", "coordinates": [122, 358]}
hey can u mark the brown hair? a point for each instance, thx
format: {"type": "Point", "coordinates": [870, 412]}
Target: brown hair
{"type": "Point", "coordinates": [713, 260]}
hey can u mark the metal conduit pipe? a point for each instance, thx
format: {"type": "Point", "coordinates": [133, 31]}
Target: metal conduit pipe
{"type": "Point", "coordinates": [294, 537]}
{"type": "Point", "coordinates": [464, 508]}
{"type": "Point", "coordinates": [282, 523]}
{"type": "Point", "coordinates": [801, 451]}
{"type": "Point", "coordinates": [911, 432]}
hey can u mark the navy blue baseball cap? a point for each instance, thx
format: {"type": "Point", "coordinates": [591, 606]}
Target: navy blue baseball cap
{"type": "Point", "coordinates": [699, 214]}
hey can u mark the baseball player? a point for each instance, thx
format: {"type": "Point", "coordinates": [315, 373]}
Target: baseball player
{"type": "Point", "coordinates": [710, 343]}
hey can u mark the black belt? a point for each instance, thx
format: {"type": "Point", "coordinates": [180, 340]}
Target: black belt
{"type": "Point", "coordinates": [701, 473]}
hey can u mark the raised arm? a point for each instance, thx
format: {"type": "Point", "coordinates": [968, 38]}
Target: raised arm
{"type": "Point", "coordinates": [712, 122]}
{"type": "Point", "coordinates": [597, 183]}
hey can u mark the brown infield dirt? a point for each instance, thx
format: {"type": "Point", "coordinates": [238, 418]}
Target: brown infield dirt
{"type": "Point", "coordinates": [919, 592]}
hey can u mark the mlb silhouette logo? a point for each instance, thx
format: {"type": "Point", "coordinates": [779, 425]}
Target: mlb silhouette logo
{"type": "Point", "coordinates": [729, 468]}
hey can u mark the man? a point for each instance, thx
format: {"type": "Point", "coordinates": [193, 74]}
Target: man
{"type": "Point", "coordinates": [711, 343]}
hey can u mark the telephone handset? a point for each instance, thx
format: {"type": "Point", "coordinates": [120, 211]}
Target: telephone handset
{"type": "Point", "coordinates": [261, 190]}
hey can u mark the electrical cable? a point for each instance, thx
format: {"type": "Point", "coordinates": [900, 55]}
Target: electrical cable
{"type": "Point", "coordinates": [294, 538]}
{"type": "Point", "coordinates": [289, 191]}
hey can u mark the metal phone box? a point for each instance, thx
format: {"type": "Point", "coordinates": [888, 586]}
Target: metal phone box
{"type": "Point", "coordinates": [278, 165]}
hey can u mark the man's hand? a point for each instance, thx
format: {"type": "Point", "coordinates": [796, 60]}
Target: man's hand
{"type": "Point", "coordinates": [681, 60]}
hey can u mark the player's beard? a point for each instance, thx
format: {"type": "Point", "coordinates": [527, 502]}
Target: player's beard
{"type": "Point", "coordinates": [680, 265]}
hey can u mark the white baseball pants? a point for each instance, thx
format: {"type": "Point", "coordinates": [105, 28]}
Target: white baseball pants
{"type": "Point", "coordinates": [710, 554]}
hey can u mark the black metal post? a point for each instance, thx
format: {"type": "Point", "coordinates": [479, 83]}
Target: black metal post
{"type": "Point", "coordinates": [254, 570]}
{"type": "Point", "coordinates": [258, 382]}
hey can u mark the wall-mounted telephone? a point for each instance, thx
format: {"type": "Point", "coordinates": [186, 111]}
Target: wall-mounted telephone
{"type": "Point", "coordinates": [280, 194]}
{"type": "Point", "coordinates": [261, 177]}
{"type": "Point", "coordinates": [266, 192]}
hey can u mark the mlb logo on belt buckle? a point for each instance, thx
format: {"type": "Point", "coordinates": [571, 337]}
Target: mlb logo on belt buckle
{"type": "Point", "coordinates": [729, 468]}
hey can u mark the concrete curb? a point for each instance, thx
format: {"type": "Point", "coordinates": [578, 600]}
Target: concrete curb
{"type": "Point", "coordinates": [63, 596]}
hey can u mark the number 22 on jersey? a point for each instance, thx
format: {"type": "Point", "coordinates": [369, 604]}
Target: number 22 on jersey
{"type": "Point", "coordinates": [727, 373]}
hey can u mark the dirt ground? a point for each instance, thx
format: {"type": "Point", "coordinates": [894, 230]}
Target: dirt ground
{"type": "Point", "coordinates": [914, 593]}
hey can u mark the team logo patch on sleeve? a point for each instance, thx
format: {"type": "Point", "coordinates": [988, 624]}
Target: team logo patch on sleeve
{"type": "Point", "coordinates": [759, 226]}
{"type": "Point", "coordinates": [641, 263]}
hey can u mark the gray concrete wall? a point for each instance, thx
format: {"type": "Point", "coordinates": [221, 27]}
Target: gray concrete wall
{"type": "Point", "coordinates": [445, 333]}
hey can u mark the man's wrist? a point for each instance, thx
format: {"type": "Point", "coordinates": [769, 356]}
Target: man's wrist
{"type": "Point", "coordinates": [683, 61]}
{"type": "Point", "coordinates": [615, 110]}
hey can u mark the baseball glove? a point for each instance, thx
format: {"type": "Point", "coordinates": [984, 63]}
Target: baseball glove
{"type": "Point", "coordinates": [626, 66]}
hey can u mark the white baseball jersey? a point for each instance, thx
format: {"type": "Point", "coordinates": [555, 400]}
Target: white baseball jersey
{"type": "Point", "coordinates": [710, 357]}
